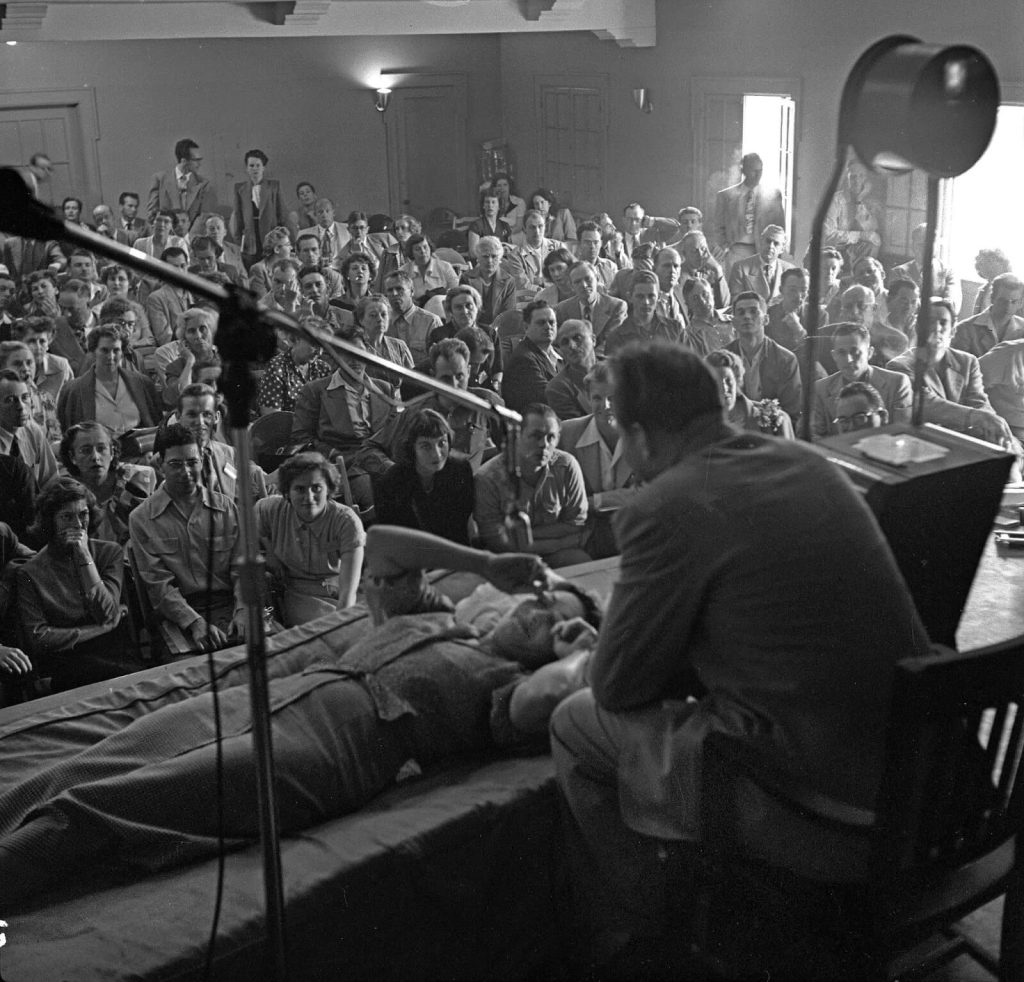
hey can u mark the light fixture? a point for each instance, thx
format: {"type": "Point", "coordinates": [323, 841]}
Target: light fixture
{"type": "Point", "coordinates": [10, 44]}
{"type": "Point", "coordinates": [383, 100]}
{"type": "Point", "coordinates": [642, 99]}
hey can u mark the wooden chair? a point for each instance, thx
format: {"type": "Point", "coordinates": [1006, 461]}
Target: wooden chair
{"type": "Point", "coordinates": [941, 842]}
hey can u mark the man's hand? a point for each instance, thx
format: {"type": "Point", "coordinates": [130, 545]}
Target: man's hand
{"type": "Point", "coordinates": [239, 624]}
{"type": "Point", "coordinates": [14, 660]}
{"type": "Point", "coordinates": [990, 428]}
{"type": "Point", "coordinates": [206, 634]}
{"type": "Point", "coordinates": [515, 572]}
{"type": "Point", "coordinates": [573, 635]}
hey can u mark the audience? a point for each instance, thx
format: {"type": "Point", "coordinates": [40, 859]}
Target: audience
{"type": "Point", "coordinates": [761, 417]}
{"type": "Point", "coordinates": [313, 545]}
{"type": "Point", "coordinates": [289, 370]}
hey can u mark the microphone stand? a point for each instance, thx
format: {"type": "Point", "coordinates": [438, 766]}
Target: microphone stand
{"type": "Point", "coordinates": [245, 334]}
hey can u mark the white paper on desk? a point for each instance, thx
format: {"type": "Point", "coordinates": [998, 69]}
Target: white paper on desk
{"type": "Point", "coordinates": [898, 451]}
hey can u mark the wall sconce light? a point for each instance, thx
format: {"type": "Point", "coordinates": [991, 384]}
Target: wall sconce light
{"type": "Point", "coordinates": [642, 98]}
{"type": "Point", "coordinates": [382, 100]}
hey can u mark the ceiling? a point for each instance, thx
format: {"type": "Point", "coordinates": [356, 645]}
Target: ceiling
{"type": "Point", "coordinates": [629, 23]}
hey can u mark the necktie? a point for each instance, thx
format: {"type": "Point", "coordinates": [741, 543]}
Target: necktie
{"type": "Point", "coordinates": [587, 312]}
{"type": "Point", "coordinates": [325, 246]}
{"type": "Point", "coordinates": [768, 273]}
{"type": "Point", "coordinates": [15, 449]}
{"type": "Point", "coordinates": [183, 190]}
{"type": "Point", "coordinates": [748, 212]}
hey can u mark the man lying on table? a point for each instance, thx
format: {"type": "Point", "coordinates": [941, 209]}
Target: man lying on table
{"type": "Point", "coordinates": [419, 687]}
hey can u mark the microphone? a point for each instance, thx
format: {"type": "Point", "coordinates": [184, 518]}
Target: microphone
{"type": "Point", "coordinates": [20, 212]}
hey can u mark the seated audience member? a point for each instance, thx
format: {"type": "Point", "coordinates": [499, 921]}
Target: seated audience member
{"type": "Point", "coordinates": [20, 437]}
{"type": "Point", "coordinates": [358, 272]}
{"type": "Point", "coordinates": [567, 392]}
{"type": "Point", "coordinates": [166, 304]}
{"type": "Point", "coordinates": [277, 244]}
{"type": "Point", "coordinates": [953, 392]}
{"type": "Point", "coordinates": [341, 414]}
{"type": "Point", "coordinates": [1000, 321]}
{"type": "Point", "coordinates": [91, 455]}
{"type": "Point", "coordinates": [481, 356]}
{"type": "Point", "coordinates": [602, 312]}
{"type": "Point", "coordinates": [739, 410]}
{"type": "Point", "coordinates": [228, 254]}
{"type": "Point", "coordinates": [550, 492]}
{"type": "Point", "coordinates": [171, 534]}
{"type": "Point", "coordinates": [207, 263]}
{"type": "Point", "coordinates": [428, 488]}
{"type": "Point", "coordinates": [762, 273]}
{"type": "Point", "coordinates": [315, 299]}
{"type": "Point", "coordinates": [313, 545]}
{"type": "Point", "coordinates": [988, 264]}
{"type": "Point", "coordinates": [331, 234]}
{"type": "Point", "coordinates": [944, 281]}
{"type": "Point", "coordinates": [707, 328]}
{"type": "Point", "coordinates": [23, 257]}
{"type": "Point", "coordinates": [285, 292]}
{"type": "Point", "coordinates": [489, 224]}
{"type": "Point", "coordinates": [644, 322]}
{"type": "Point", "coordinates": [556, 275]}
{"type": "Point", "coordinates": [667, 267]}
{"type": "Point", "coordinates": [613, 246]}
{"type": "Point", "coordinates": [360, 242]}
{"type": "Point", "coordinates": [534, 363]}
{"type": "Point", "coordinates": [108, 392]}
{"type": "Point", "coordinates": [289, 370]}
{"type": "Point", "coordinates": [467, 696]}
{"type": "Point", "coordinates": [17, 494]}
{"type": "Point", "coordinates": [642, 259]}
{"type": "Point", "coordinates": [449, 363]}
{"type": "Point", "coordinates": [851, 351]}
{"type": "Point", "coordinates": [524, 261]}
{"type": "Point", "coordinates": [199, 412]}
{"type": "Point", "coordinates": [305, 215]}
{"type": "Point", "coordinates": [393, 257]}
{"type": "Point", "coordinates": [769, 370]}
{"type": "Point", "coordinates": [18, 357]}
{"type": "Point", "coordinates": [309, 253]}
{"type": "Point", "coordinates": [698, 263]}
{"type": "Point", "coordinates": [462, 308]}
{"type": "Point", "coordinates": [588, 250]}
{"type": "Point", "coordinates": [899, 331]}
{"type": "Point", "coordinates": [163, 237]}
{"type": "Point", "coordinates": [199, 322]}
{"type": "Point", "coordinates": [82, 267]}
{"type": "Point", "coordinates": [409, 323]}
{"type": "Point", "coordinates": [1002, 374]}
{"type": "Point", "coordinates": [10, 308]}
{"type": "Point", "coordinates": [72, 301]}
{"type": "Point", "coordinates": [371, 316]}
{"type": "Point", "coordinates": [122, 297]}
{"type": "Point", "coordinates": [69, 593]}
{"type": "Point", "coordinates": [712, 629]}
{"type": "Point", "coordinates": [512, 208]}
{"type": "Point", "coordinates": [607, 477]}
{"type": "Point", "coordinates": [559, 223]}
{"type": "Point", "coordinates": [496, 288]}
{"type": "Point", "coordinates": [860, 407]}
{"type": "Point", "coordinates": [787, 314]}
{"type": "Point", "coordinates": [430, 276]}
{"type": "Point", "coordinates": [869, 272]}
{"type": "Point", "coordinates": [829, 275]}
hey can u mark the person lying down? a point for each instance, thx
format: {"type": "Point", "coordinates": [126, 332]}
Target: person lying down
{"type": "Point", "coordinates": [419, 687]}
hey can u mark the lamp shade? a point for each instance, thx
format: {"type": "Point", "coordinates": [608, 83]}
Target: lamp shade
{"type": "Point", "coordinates": [913, 105]}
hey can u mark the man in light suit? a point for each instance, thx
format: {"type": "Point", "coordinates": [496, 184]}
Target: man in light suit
{"type": "Point", "coordinates": [229, 254]}
{"type": "Point", "coordinates": [954, 395]}
{"type": "Point", "coordinates": [129, 226]}
{"type": "Point", "coordinates": [745, 210]}
{"type": "Point", "coordinates": [257, 208]}
{"type": "Point", "coordinates": [182, 188]}
{"type": "Point", "coordinates": [851, 350]}
{"type": "Point", "coordinates": [762, 272]}
{"type": "Point", "coordinates": [604, 313]}
{"type": "Point", "coordinates": [333, 235]}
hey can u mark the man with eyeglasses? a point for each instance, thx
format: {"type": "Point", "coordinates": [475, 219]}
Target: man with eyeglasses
{"type": "Point", "coordinates": [358, 226]}
{"type": "Point", "coordinates": [860, 407]}
{"type": "Point", "coordinates": [182, 188]}
{"type": "Point", "coordinates": [602, 312]}
{"type": "Point", "coordinates": [175, 533]}
{"type": "Point", "coordinates": [852, 351]}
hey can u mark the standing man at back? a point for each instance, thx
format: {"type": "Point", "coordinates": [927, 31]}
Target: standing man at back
{"type": "Point", "coordinates": [182, 189]}
{"type": "Point", "coordinates": [744, 210]}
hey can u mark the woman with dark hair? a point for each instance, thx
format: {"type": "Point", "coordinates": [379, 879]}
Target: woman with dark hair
{"type": "Point", "coordinates": [312, 543]}
{"type": "Point", "coordinates": [91, 455]}
{"type": "Point", "coordinates": [69, 593]}
{"type": "Point", "coordinates": [556, 272]}
{"type": "Point", "coordinates": [427, 489]}
{"type": "Point", "coordinates": [766, 416]}
{"type": "Point", "coordinates": [560, 225]}
{"type": "Point", "coordinates": [107, 391]}
{"type": "Point", "coordinates": [489, 222]}
{"type": "Point", "coordinates": [430, 276]}
{"type": "Point", "coordinates": [512, 207]}
{"type": "Point", "coordinates": [358, 273]}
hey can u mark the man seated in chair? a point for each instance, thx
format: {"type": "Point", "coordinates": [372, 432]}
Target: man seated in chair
{"type": "Point", "coordinates": [742, 606]}
{"type": "Point", "coordinates": [358, 705]}
{"type": "Point", "coordinates": [176, 533]}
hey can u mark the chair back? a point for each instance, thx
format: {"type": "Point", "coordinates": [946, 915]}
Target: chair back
{"type": "Point", "coordinates": [449, 250]}
{"type": "Point", "coordinates": [269, 436]}
{"type": "Point", "coordinates": [510, 330]}
{"type": "Point", "coordinates": [950, 794]}
{"type": "Point", "coordinates": [380, 223]}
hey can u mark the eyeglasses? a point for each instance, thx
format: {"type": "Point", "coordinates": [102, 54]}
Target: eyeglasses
{"type": "Point", "coordinates": [192, 463]}
{"type": "Point", "coordinates": [359, 228]}
{"type": "Point", "coordinates": [855, 421]}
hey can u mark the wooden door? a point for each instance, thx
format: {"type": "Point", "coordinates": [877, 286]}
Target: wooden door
{"type": "Point", "coordinates": [53, 130]}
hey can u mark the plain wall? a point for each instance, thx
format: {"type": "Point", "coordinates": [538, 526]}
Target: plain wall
{"type": "Point", "coordinates": [307, 102]}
